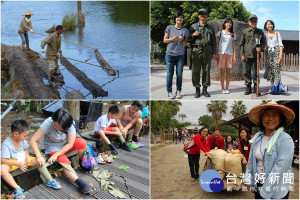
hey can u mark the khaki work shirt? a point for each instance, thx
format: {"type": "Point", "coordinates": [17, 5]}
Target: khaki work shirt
{"type": "Point", "coordinates": [206, 36]}
{"type": "Point", "coordinates": [248, 42]}
{"type": "Point", "coordinates": [53, 42]}
{"type": "Point", "coordinates": [25, 26]}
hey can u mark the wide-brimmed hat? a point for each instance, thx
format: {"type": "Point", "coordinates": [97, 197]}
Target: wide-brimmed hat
{"type": "Point", "coordinates": [28, 13]}
{"type": "Point", "coordinates": [256, 112]}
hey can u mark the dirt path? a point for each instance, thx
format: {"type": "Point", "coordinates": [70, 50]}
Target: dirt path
{"type": "Point", "coordinates": [170, 177]}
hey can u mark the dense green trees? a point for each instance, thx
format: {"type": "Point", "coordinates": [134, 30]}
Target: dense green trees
{"type": "Point", "coordinates": [162, 13]}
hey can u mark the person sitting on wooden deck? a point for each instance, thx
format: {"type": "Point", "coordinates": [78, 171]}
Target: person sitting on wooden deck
{"type": "Point", "coordinates": [130, 118]}
{"type": "Point", "coordinates": [59, 136]}
{"type": "Point", "coordinates": [14, 155]}
{"type": "Point", "coordinates": [106, 125]}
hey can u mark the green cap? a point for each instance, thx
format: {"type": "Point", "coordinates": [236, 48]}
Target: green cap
{"type": "Point", "coordinates": [252, 16]}
{"type": "Point", "coordinates": [202, 10]}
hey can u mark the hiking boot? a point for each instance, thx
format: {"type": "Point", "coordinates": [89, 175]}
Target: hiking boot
{"type": "Point", "coordinates": [197, 93]}
{"type": "Point", "coordinates": [248, 90]}
{"type": "Point", "coordinates": [23, 47]}
{"type": "Point", "coordinates": [126, 147]}
{"type": "Point", "coordinates": [205, 93]}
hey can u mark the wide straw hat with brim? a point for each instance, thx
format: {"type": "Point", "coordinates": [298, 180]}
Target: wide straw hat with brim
{"type": "Point", "coordinates": [28, 13]}
{"type": "Point", "coordinates": [256, 112]}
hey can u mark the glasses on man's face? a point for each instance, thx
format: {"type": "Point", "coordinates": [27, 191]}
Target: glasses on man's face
{"type": "Point", "coordinates": [180, 17]}
{"type": "Point", "coordinates": [253, 21]}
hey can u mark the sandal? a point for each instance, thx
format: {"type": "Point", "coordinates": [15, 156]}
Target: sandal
{"type": "Point", "coordinates": [19, 193]}
{"type": "Point", "coordinates": [53, 184]}
{"type": "Point", "coordinates": [101, 161]}
{"type": "Point", "coordinates": [106, 158]}
{"type": "Point", "coordinates": [89, 191]}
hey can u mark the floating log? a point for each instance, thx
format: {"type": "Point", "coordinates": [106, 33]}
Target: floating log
{"type": "Point", "coordinates": [89, 84]}
{"type": "Point", "coordinates": [104, 64]}
{"type": "Point", "coordinates": [25, 79]}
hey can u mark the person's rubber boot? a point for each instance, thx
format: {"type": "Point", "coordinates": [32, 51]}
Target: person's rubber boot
{"type": "Point", "coordinates": [197, 93]}
{"type": "Point", "coordinates": [23, 46]}
{"type": "Point", "coordinates": [248, 90]}
{"type": "Point", "coordinates": [27, 47]}
{"type": "Point", "coordinates": [126, 147]}
{"type": "Point", "coordinates": [113, 149]}
{"type": "Point", "coordinates": [84, 187]}
{"type": "Point", "coordinates": [205, 93]}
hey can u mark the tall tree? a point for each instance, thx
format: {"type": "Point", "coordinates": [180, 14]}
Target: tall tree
{"type": "Point", "coordinates": [162, 113]}
{"type": "Point", "coordinates": [206, 120]}
{"type": "Point", "coordinates": [216, 108]}
{"type": "Point", "coordinates": [182, 116]}
{"type": "Point", "coordinates": [238, 109]}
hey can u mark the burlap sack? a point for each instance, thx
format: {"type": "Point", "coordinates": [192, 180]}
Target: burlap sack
{"type": "Point", "coordinates": [218, 158]}
{"type": "Point", "coordinates": [233, 165]}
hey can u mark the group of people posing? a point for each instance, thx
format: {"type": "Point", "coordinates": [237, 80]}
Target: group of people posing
{"type": "Point", "coordinates": [59, 135]}
{"type": "Point", "coordinates": [268, 152]}
{"type": "Point", "coordinates": [206, 45]}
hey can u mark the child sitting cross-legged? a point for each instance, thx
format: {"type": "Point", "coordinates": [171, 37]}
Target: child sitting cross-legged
{"type": "Point", "coordinates": [106, 125]}
{"type": "Point", "coordinates": [14, 155]}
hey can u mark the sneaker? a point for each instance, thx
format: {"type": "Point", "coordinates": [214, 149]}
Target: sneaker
{"type": "Point", "coordinates": [178, 94]}
{"type": "Point", "coordinates": [126, 147]}
{"type": "Point", "coordinates": [171, 96]}
{"type": "Point", "coordinates": [140, 144]}
{"type": "Point", "coordinates": [133, 145]}
{"type": "Point", "coordinates": [223, 91]}
{"type": "Point", "coordinates": [227, 92]}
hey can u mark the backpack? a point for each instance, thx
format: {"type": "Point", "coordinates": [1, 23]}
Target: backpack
{"type": "Point", "coordinates": [186, 147]}
{"type": "Point", "coordinates": [90, 157]}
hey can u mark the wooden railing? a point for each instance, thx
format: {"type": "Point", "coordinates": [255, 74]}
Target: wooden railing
{"type": "Point", "coordinates": [290, 62]}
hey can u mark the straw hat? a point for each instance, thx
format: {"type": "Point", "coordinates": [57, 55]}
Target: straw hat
{"type": "Point", "coordinates": [256, 112]}
{"type": "Point", "coordinates": [28, 13]}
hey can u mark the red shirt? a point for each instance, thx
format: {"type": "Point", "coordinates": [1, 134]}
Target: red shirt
{"type": "Point", "coordinates": [242, 145]}
{"type": "Point", "coordinates": [201, 143]}
{"type": "Point", "coordinates": [215, 142]}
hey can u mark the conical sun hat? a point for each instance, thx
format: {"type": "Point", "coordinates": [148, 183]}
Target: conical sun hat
{"type": "Point", "coordinates": [28, 13]}
{"type": "Point", "coordinates": [256, 112]}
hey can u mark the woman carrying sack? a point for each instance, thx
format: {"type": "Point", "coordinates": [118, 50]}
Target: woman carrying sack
{"type": "Point", "coordinates": [198, 142]}
{"type": "Point", "coordinates": [271, 151]}
{"type": "Point", "coordinates": [274, 52]}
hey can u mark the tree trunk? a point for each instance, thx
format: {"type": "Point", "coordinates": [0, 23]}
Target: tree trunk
{"type": "Point", "coordinates": [89, 84]}
{"type": "Point", "coordinates": [74, 108]}
{"type": "Point", "coordinates": [25, 79]}
{"type": "Point", "coordinates": [104, 64]}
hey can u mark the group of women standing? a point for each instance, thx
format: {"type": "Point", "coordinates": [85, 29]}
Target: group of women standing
{"type": "Point", "coordinates": [176, 37]}
{"type": "Point", "coordinates": [269, 152]}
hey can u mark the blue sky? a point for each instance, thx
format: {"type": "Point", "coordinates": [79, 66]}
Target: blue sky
{"type": "Point", "coordinates": [285, 14]}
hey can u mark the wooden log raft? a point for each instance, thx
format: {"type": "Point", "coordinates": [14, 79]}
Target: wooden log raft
{"type": "Point", "coordinates": [89, 84]}
{"type": "Point", "coordinates": [25, 77]}
{"type": "Point", "coordinates": [104, 64]}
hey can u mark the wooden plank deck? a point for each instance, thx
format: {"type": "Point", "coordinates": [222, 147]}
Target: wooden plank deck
{"type": "Point", "coordinates": [137, 178]}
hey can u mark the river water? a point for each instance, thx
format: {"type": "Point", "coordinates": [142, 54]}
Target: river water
{"type": "Point", "coordinates": [119, 30]}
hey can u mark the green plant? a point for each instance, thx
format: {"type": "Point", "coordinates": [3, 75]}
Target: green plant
{"type": "Point", "coordinates": [39, 109]}
{"type": "Point", "coordinates": [69, 22]}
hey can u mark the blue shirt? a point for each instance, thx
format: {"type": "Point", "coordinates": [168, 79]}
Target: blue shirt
{"type": "Point", "coordinates": [9, 151]}
{"type": "Point", "coordinates": [280, 161]}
